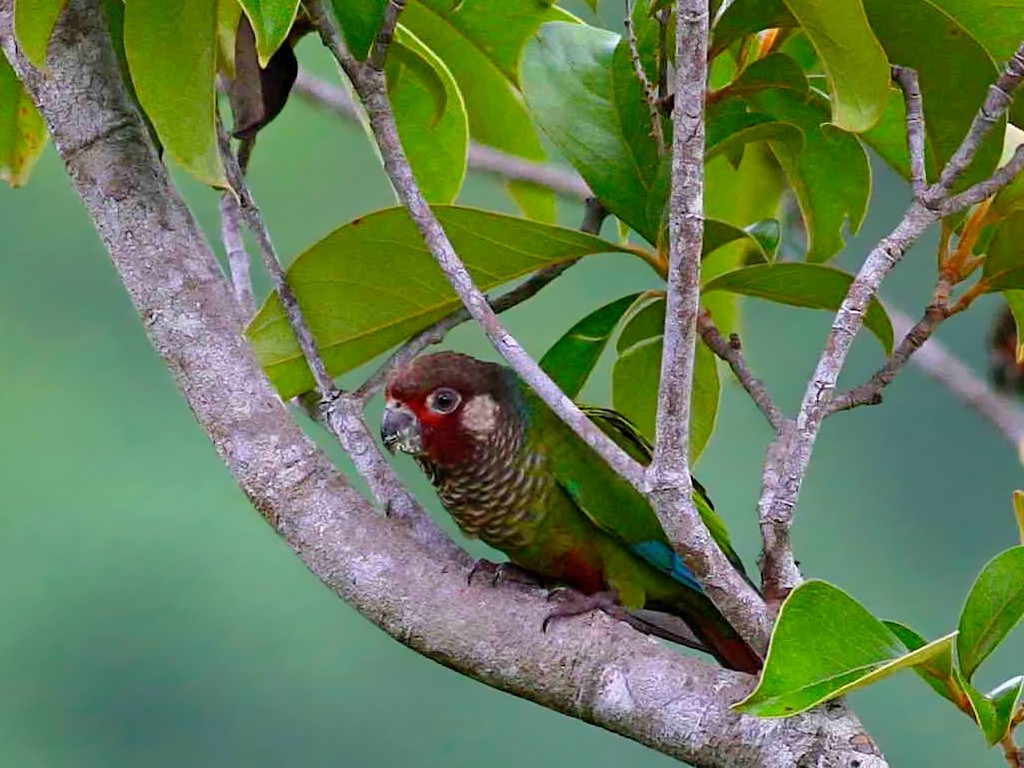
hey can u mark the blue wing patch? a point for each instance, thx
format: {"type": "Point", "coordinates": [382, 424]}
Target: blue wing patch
{"type": "Point", "coordinates": [661, 556]}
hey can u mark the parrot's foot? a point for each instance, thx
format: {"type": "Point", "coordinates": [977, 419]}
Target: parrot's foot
{"type": "Point", "coordinates": [577, 604]}
{"type": "Point", "coordinates": [501, 573]}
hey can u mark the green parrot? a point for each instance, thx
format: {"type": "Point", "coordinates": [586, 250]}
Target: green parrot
{"type": "Point", "coordinates": [512, 474]}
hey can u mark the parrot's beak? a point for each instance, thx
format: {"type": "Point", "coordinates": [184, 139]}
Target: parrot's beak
{"type": "Point", "coordinates": [400, 429]}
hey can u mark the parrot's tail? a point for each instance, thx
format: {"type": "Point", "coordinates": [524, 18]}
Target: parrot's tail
{"type": "Point", "coordinates": [721, 642]}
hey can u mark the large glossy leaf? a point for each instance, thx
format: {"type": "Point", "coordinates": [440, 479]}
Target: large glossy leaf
{"type": "Point", "coordinates": [917, 34]}
{"type": "Point", "coordinates": [637, 372]}
{"type": "Point", "coordinates": [172, 55]}
{"type": "Point", "coordinates": [22, 130]}
{"type": "Point", "coordinates": [802, 285]}
{"type": "Point", "coordinates": [271, 20]}
{"type": "Point", "coordinates": [359, 20]}
{"type": "Point", "coordinates": [586, 100]}
{"type": "Point", "coordinates": [33, 24]}
{"type": "Point", "coordinates": [571, 360]}
{"type": "Point", "coordinates": [826, 644]}
{"type": "Point", "coordinates": [372, 283]}
{"type": "Point", "coordinates": [858, 73]}
{"type": "Point", "coordinates": [827, 154]}
{"type": "Point", "coordinates": [484, 65]}
{"type": "Point", "coordinates": [994, 607]}
{"type": "Point", "coordinates": [431, 117]}
{"type": "Point", "coordinates": [777, 70]}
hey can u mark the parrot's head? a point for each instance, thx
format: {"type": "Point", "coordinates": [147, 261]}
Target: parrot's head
{"type": "Point", "coordinates": [442, 408]}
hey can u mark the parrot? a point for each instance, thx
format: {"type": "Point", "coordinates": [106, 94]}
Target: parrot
{"type": "Point", "coordinates": [510, 472]}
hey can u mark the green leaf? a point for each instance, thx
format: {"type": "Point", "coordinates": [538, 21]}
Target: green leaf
{"type": "Point", "coordinates": [487, 77]}
{"type": "Point", "coordinates": [776, 70]}
{"type": "Point", "coordinates": [761, 237]}
{"type": "Point", "coordinates": [22, 130]}
{"type": "Point", "coordinates": [1005, 254]}
{"type": "Point", "coordinates": [1015, 301]}
{"type": "Point", "coordinates": [271, 21]}
{"type": "Point", "coordinates": [917, 34]}
{"type": "Point", "coordinates": [993, 608]}
{"type": "Point", "coordinates": [729, 124]}
{"type": "Point", "coordinates": [585, 98]}
{"type": "Point", "coordinates": [993, 711]}
{"type": "Point", "coordinates": [372, 283]}
{"type": "Point", "coordinates": [572, 358]}
{"type": "Point", "coordinates": [858, 72]}
{"type": "Point", "coordinates": [172, 54]}
{"type": "Point", "coordinates": [889, 135]}
{"type": "Point", "coordinates": [431, 117]}
{"type": "Point", "coordinates": [1010, 197]}
{"type": "Point", "coordinates": [359, 21]}
{"type": "Point", "coordinates": [745, 17]}
{"type": "Point", "coordinates": [637, 372]}
{"type": "Point", "coordinates": [937, 671]}
{"type": "Point", "coordinates": [802, 285]}
{"type": "Point", "coordinates": [826, 644]}
{"type": "Point", "coordinates": [828, 154]}
{"type": "Point", "coordinates": [33, 24]}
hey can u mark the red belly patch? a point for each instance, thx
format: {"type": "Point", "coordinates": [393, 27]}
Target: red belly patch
{"type": "Point", "coordinates": [582, 571]}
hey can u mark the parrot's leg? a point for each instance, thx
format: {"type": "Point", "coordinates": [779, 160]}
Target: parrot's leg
{"type": "Point", "coordinates": [577, 604]}
{"type": "Point", "coordinates": [501, 573]}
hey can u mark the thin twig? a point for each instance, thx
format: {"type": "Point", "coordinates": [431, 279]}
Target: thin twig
{"type": "Point", "coordinates": [342, 413]}
{"type": "Point", "coordinates": [908, 83]}
{"type": "Point", "coordinates": [996, 103]}
{"type": "Point", "coordinates": [649, 89]}
{"type": "Point", "coordinates": [594, 215]}
{"type": "Point", "coordinates": [790, 453]}
{"type": "Point", "coordinates": [668, 476]}
{"type": "Point", "coordinates": [561, 180]}
{"type": "Point", "coordinates": [381, 45]}
{"type": "Point", "coordinates": [870, 393]}
{"type": "Point", "coordinates": [985, 189]}
{"type": "Point", "coordinates": [238, 258]}
{"type": "Point", "coordinates": [731, 351]}
{"type": "Point", "coordinates": [371, 86]}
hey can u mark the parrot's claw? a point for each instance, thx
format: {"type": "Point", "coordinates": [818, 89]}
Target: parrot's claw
{"type": "Point", "coordinates": [578, 604]}
{"type": "Point", "coordinates": [501, 573]}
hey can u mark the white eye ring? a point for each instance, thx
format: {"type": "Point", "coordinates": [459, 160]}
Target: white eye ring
{"type": "Point", "coordinates": [444, 400]}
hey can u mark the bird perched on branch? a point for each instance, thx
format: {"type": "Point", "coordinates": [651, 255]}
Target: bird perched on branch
{"type": "Point", "coordinates": [511, 473]}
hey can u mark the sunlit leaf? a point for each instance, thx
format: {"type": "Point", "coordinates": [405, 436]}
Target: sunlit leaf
{"type": "Point", "coordinates": [33, 24]}
{"type": "Point", "coordinates": [937, 671]}
{"type": "Point", "coordinates": [481, 43]}
{"type": "Point", "coordinates": [826, 644]}
{"type": "Point", "coordinates": [372, 283]}
{"type": "Point", "coordinates": [431, 117]}
{"type": "Point", "coordinates": [802, 285]}
{"type": "Point", "coordinates": [993, 608]}
{"type": "Point", "coordinates": [172, 54]}
{"type": "Point", "coordinates": [858, 72]}
{"type": "Point", "coordinates": [22, 130]}
{"type": "Point", "coordinates": [993, 711]}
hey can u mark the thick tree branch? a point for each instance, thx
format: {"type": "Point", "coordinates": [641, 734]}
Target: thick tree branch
{"type": "Point", "coordinates": [668, 477]}
{"type": "Point", "coordinates": [599, 670]}
{"type": "Point", "coordinates": [731, 351]}
{"type": "Point", "coordinates": [789, 455]}
{"type": "Point", "coordinates": [562, 181]}
{"type": "Point", "coordinates": [370, 84]}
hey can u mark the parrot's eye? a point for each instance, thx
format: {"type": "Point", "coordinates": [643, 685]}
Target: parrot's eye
{"type": "Point", "coordinates": [444, 400]}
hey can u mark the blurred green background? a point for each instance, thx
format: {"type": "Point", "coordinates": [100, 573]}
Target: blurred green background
{"type": "Point", "coordinates": [148, 616]}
